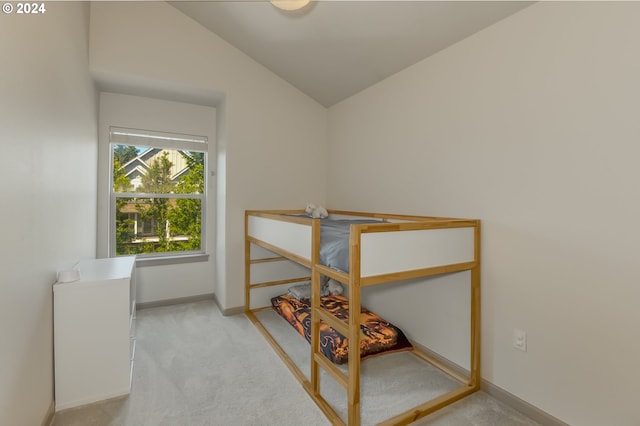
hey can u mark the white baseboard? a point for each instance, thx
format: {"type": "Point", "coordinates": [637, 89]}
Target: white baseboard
{"type": "Point", "coordinates": [48, 417]}
{"type": "Point", "coordinates": [531, 411]}
{"type": "Point", "coordinates": [189, 299]}
{"type": "Point", "coordinates": [176, 301]}
{"type": "Point", "coordinates": [233, 311]}
{"type": "Point", "coordinates": [93, 399]}
{"type": "Point", "coordinates": [520, 405]}
{"type": "Point", "coordinates": [228, 312]}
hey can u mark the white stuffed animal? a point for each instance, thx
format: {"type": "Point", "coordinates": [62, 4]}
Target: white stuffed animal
{"type": "Point", "coordinates": [316, 211]}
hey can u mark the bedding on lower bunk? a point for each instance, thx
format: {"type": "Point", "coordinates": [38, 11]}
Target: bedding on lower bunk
{"type": "Point", "coordinates": [378, 336]}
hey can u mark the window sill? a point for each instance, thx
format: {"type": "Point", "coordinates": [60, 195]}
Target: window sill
{"type": "Point", "coordinates": [142, 262]}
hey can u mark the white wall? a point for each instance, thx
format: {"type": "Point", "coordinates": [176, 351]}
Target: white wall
{"type": "Point", "coordinates": [165, 281]}
{"type": "Point", "coordinates": [271, 137]}
{"type": "Point", "coordinates": [532, 126]}
{"type": "Point", "coordinates": [48, 111]}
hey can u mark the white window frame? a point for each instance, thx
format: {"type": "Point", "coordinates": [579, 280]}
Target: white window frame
{"type": "Point", "coordinates": [156, 139]}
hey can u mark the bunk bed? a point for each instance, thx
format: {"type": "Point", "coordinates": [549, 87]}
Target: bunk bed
{"type": "Point", "coordinates": [379, 248]}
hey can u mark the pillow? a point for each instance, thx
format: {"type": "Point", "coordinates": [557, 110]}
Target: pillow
{"type": "Point", "coordinates": [301, 291]}
{"type": "Point", "coordinates": [333, 287]}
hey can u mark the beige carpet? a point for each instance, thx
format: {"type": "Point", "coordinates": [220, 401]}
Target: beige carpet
{"type": "Point", "coordinates": [195, 367]}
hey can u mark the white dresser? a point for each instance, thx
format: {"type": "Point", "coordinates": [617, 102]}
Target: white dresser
{"type": "Point", "coordinates": [94, 332]}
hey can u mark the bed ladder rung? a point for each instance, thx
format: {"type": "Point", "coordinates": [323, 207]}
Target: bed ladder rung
{"type": "Point", "coordinates": [333, 321]}
{"type": "Point", "coordinates": [428, 407]}
{"type": "Point", "coordinates": [458, 375]}
{"type": "Point", "coordinates": [332, 273]}
{"type": "Point", "coordinates": [267, 259]}
{"type": "Point", "coordinates": [334, 371]}
{"type": "Point", "coordinates": [279, 282]}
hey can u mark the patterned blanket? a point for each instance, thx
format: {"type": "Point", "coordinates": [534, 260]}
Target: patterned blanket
{"type": "Point", "coordinates": [378, 336]}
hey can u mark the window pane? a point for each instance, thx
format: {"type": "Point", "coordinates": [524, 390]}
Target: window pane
{"type": "Point", "coordinates": [158, 225]}
{"type": "Point", "coordinates": [157, 170]}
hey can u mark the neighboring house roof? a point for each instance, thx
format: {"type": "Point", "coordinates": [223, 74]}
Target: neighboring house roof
{"type": "Point", "coordinates": [139, 165]}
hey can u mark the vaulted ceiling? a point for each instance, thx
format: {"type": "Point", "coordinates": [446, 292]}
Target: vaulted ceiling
{"type": "Point", "coordinates": [331, 50]}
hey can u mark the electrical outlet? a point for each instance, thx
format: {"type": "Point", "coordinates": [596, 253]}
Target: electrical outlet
{"type": "Point", "coordinates": [520, 340]}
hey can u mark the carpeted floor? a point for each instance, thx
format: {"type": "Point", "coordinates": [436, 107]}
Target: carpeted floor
{"type": "Point", "coordinates": [195, 367]}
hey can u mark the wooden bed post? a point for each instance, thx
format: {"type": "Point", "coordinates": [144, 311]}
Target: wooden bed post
{"type": "Point", "coordinates": [247, 264]}
{"type": "Point", "coordinates": [353, 389]}
{"type": "Point", "coordinates": [475, 377]}
{"type": "Point", "coordinates": [315, 330]}
{"type": "Point", "coordinates": [315, 306]}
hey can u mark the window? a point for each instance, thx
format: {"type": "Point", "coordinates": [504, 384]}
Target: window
{"type": "Point", "coordinates": [158, 196]}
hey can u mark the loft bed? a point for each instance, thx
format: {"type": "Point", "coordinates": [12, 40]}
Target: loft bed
{"type": "Point", "coordinates": [379, 248]}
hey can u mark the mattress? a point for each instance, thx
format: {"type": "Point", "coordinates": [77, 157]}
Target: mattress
{"type": "Point", "coordinates": [377, 335]}
{"type": "Point", "coordinates": [334, 242]}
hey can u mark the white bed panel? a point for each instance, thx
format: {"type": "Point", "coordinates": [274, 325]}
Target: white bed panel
{"type": "Point", "coordinates": [388, 252]}
{"type": "Point", "coordinates": [292, 237]}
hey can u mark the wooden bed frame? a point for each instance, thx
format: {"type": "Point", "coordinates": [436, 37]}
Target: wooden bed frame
{"type": "Point", "coordinates": [400, 247]}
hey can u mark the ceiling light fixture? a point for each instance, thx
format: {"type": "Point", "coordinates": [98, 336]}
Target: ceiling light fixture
{"type": "Point", "coordinates": [289, 5]}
